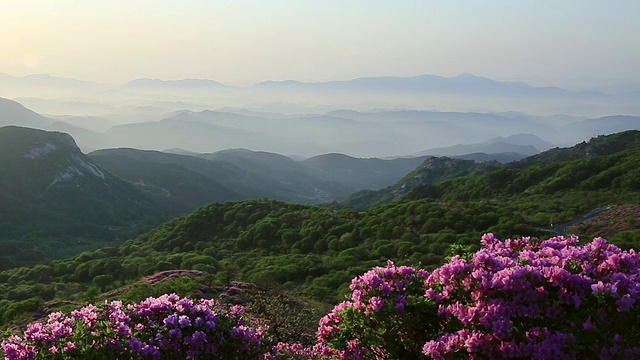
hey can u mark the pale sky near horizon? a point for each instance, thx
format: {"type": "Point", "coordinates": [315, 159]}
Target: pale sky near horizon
{"type": "Point", "coordinates": [542, 42]}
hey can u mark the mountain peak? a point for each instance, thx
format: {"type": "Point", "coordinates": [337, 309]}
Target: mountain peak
{"type": "Point", "coordinates": [466, 75]}
{"type": "Point", "coordinates": [37, 161]}
{"type": "Point", "coordinates": [17, 137]}
{"type": "Point", "coordinates": [280, 83]}
{"type": "Point", "coordinates": [182, 83]}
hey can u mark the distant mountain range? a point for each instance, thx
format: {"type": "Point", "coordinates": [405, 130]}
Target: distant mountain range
{"type": "Point", "coordinates": [383, 134]}
{"type": "Point", "coordinates": [464, 84]}
{"type": "Point", "coordinates": [523, 144]}
{"type": "Point", "coordinates": [46, 86]}
{"type": "Point", "coordinates": [464, 92]}
{"type": "Point", "coordinates": [600, 126]}
{"type": "Point", "coordinates": [44, 80]}
{"type": "Point", "coordinates": [175, 84]}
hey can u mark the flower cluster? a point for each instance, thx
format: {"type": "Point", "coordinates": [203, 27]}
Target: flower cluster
{"type": "Point", "coordinates": [379, 321]}
{"type": "Point", "coordinates": [157, 328]}
{"type": "Point", "coordinates": [521, 298]}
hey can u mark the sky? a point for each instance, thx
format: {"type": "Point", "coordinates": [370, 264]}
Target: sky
{"type": "Point", "coordinates": [570, 43]}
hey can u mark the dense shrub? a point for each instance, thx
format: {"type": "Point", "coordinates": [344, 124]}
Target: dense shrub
{"type": "Point", "coordinates": [523, 298]}
{"type": "Point", "coordinates": [167, 327]}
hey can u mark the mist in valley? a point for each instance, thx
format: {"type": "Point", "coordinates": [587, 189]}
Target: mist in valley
{"type": "Point", "coordinates": [383, 117]}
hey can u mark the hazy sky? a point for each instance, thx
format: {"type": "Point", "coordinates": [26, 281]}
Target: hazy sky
{"type": "Point", "coordinates": [556, 42]}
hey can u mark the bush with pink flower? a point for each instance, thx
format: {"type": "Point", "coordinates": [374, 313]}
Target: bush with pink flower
{"type": "Point", "coordinates": [524, 298]}
{"type": "Point", "coordinates": [167, 327]}
{"type": "Point", "coordinates": [513, 299]}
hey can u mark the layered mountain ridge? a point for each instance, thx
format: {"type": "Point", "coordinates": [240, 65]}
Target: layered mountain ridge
{"type": "Point", "coordinates": [381, 133]}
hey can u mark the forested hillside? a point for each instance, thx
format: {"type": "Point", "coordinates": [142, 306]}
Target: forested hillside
{"type": "Point", "coordinates": [309, 250]}
{"type": "Point", "coordinates": [432, 171]}
{"type": "Point", "coordinates": [604, 165]}
{"type": "Point", "coordinates": [56, 201]}
{"type": "Point", "coordinates": [583, 175]}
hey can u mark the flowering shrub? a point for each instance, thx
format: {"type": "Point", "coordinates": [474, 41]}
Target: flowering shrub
{"type": "Point", "coordinates": [523, 298]}
{"type": "Point", "coordinates": [167, 327]}
{"type": "Point", "coordinates": [382, 319]}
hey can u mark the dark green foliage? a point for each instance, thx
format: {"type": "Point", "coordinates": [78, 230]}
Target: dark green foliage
{"type": "Point", "coordinates": [432, 171]}
{"type": "Point", "coordinates": [315, 251]}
